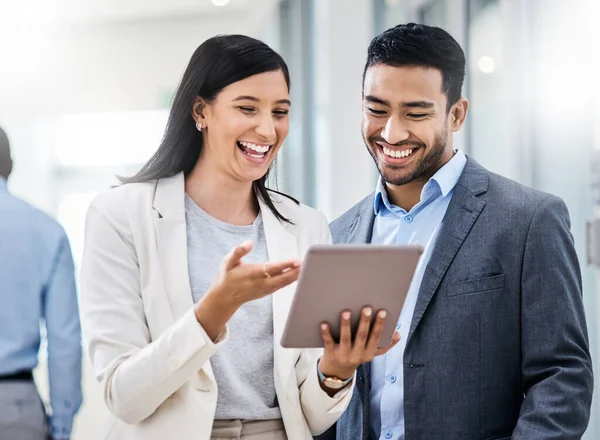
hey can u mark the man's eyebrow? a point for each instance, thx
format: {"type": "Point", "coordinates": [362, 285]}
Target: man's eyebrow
{"type": "Point", "coordinates": [376, 100]}
{"type": "Point", "coordinates": [418, 104]}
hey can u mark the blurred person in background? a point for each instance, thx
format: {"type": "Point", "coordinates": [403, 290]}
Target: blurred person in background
{"type": "Point", "coordinates": [181, 260]}
{"type": "Point", "coordinates": [37, 285]}
{"type": "Point", "coordinates": [494, 341]}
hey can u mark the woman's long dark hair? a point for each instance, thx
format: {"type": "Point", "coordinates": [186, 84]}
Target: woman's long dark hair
{"type": "Point", "coordinates": [217, 63]}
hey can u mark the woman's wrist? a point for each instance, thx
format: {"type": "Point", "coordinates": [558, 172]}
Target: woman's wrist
{"type": "Point", "coordinates": [213, 311]}
{"type": "Point", "coordinates": [221, 300]}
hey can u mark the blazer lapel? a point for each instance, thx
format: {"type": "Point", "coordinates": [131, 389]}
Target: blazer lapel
{"type": "Point", "coordinates": [463, 211]}
{"type": "Point", "coordinates": [281, 245]}
{"type": "Point", "coordinates": [171, 242]}
{"type": "Point", "coordinates": [361, 229]}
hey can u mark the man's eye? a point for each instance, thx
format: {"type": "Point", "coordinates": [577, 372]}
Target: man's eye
{"type": "Point", "coordinates": [417, 115]}
{"type": "Point", "coordinates": [376, 112]}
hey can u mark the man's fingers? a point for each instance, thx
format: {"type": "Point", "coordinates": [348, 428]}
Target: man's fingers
{"type": "Point", "coordinates": [362, 333]}
{"type": "Point", "coordinates": [384, 350]}
{"type": "Point", "coordinates": [328, 341]}
{"type": "Point", "coordinates": [234, 258]}
{"type": "Point", "coordinates": [376, 331]}
{"type": "Point", "coordinates": [346, 331]}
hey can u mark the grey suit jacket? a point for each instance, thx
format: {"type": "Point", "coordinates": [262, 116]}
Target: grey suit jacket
{"type": "Point", "coordinates": [498, 344]}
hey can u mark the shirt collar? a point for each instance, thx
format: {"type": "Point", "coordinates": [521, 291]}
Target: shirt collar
{"type": "Point", "coordinates": [445, 179]}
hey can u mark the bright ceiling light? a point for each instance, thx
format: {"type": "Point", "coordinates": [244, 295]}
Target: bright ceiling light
{"type": "Point", "coordinates": [220, 2]}
{"type": "Point", "coordinates": [486, 64]}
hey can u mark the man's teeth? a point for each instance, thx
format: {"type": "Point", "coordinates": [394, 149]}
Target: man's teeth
{"type": "Point", "coordinates": [396, 154]}
{"type": "Point", "coordinates": [258, 148]}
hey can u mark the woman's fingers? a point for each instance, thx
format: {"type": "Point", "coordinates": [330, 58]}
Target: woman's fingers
{"type": "Point", "coordinates": [234, 258]}
{"type": "Point", "coordinates": [272, 269]}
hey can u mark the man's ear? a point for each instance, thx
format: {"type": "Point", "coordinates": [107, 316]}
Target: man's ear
{"type": "Point", "coordinates": [458, 114]}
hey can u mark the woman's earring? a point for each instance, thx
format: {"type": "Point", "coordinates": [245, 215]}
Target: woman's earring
{"type": "Point", "coordinates": [199, 126]}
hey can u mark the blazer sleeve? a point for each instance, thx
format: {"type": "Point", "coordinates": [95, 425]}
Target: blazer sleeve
{"type": "Point", "coordinates": [320, 410]}
{"type": "Point", "coordinates": [137, 373]}
{"type": "Point", "coordinates": [556, 364]}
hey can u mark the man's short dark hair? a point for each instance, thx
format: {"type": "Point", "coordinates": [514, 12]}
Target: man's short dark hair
{"type": "Point", "coordinates": [5, 160]}
{"type": "Point", "coordinates": [424, 46]}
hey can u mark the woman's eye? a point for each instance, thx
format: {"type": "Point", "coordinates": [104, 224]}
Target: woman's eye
{"type": "Point", "coordinates": [280, 113]}
{"type": "Point", "coordinates": [246, 109]}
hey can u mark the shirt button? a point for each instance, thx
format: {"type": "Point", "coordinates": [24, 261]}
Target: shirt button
{"type": "Point", "coordinates": [393, 379]}
{"type": "Point", "coordinates": [408, 219]}
{"type": "Point", "coordinates": [388, 434]}
{"type": "Point", "coordinates": [397, 326]}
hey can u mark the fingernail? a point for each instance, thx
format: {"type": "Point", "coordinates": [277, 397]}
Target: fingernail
{"type": "Point", "coordinates": [346, 315]}
{"type": "Point", "coordinates": [323, 326]}
{"type": "Point", "coordinates": [382, 314]}
{"type": "Point", "coordinates": [247, 244]}
{"type": "Point", "coordinates": [368, 312]}
{"type": "Point", "coordinates": [296, 264]}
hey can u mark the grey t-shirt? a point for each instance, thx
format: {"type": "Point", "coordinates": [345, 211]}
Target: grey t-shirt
{"type": "Point", "coordinates": [243, 366]}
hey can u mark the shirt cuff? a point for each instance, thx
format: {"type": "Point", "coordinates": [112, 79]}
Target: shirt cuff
{"type": "Point", "coordinates": [343, 390]}
{"type": "Point", "coordinates": [61, 426]}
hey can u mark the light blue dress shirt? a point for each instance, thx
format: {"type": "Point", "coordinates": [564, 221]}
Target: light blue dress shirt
{"type": "Point", "coordinates": [393, 225]}
{"type": "Point", "coordinates": [37, 285]}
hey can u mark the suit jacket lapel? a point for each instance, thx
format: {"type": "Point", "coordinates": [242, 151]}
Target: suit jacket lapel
{"type": "Point", "coordinates": [463, 210]}
{"type": "Point", "coordinates": [281, 245]}
{"type": "Point", "coordinates": [361, 229]}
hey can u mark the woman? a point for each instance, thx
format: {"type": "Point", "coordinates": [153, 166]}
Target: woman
{"type": "Point", "coordinates": [183, 334]}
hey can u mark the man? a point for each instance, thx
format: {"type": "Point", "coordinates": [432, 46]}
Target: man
{"type": "Point", "coordinates": [494, 341]}
{"type": "Point", "coordinates": [36, 284]}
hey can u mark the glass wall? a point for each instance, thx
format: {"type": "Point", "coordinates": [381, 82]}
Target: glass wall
{"type": "Point", "coordinates": [490, 125]}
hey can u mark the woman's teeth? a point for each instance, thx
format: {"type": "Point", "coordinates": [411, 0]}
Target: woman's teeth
{"type": "Point", "coordinates": [395, 153]}
{"type": "Point", "coordinates": [262, 149]}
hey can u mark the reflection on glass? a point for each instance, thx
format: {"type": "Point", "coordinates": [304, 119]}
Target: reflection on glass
{"type": "Point", "coordinates": [103, 139]}
{"type": "Point", "coordinates": [388, 13]}
{"type": "Point", "coordinates": [489, 116]}
{"type": "Point", "coordinates": [433, 13]}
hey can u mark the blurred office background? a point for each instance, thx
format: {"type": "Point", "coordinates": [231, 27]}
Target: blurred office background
{"type": "Point", "coordinates": [85, 88]}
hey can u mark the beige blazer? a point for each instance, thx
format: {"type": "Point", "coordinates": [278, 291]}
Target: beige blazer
{"type": "Point", "coordinates": [147, 348]}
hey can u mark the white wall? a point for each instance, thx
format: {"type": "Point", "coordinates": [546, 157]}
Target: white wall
{"type": "Point", "coordinates": [120, 66]}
